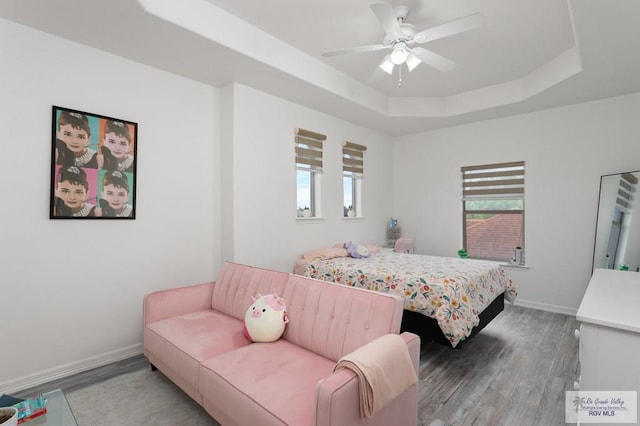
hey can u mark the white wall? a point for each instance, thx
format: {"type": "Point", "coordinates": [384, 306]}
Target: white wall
{"type": "Point", "coordinates": [71, 291]}
{"type": "Point", "coordinates": [566, 150]}
{"type": "Point", "coordinates": [266, 232]}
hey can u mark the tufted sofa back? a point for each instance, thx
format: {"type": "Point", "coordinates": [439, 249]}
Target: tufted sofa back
{"type": "Point", "coordinates": [332, 320]}
{"type": "Point", "coordinates": [326, 318]}
{"type": "Point", "coordinates": [237, 284]}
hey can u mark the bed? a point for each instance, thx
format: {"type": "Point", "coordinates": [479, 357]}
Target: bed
{"type": "Point", "coordinates": [446, 300]}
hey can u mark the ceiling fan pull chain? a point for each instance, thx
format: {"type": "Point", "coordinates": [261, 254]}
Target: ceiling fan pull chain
{"type": "Point", "coordinates": [399, 75]}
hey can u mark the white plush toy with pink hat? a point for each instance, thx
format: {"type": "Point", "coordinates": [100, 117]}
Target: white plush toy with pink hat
{"type": "Point", "coordinates": [265, 319]}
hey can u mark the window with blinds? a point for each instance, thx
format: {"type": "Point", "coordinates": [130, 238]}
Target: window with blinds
{"type": "Point", "coordinates": [621, 221]}
{"type": "Point", "coordinates": [308, 150]}
{"type": "Point", "coordinates": [493, 211]}
{"type": "Point", "coordinates": [626, 192]}
{"type": "Point", "coordinates": [352, 173]}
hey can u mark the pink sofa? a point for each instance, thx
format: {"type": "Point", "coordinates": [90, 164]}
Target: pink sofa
{"type": "Point", "coordinates": [194, 336]}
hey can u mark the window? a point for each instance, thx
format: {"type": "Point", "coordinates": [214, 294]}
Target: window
{"type": "Point", "coordinates": [308, 147]}
{"type": "Point", "coordinates": [352, 172]}
{"type": "Point", "coordinates": [621, 223]}
{"type": "Point", "coordinates": [493, 211]}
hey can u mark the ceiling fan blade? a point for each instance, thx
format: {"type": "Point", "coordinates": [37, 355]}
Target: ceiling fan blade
{"type": "Point", "coordinates": [387, 17]}
{"type": "Point", "coordinates": [468, 23]}
{"type": "Point", "coordinates": [433, 59]}
{"type": "Point", "coordinates": [359, 49]}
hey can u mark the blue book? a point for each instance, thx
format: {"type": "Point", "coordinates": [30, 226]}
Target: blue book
{"type": "Point", "coordinates": [8, 400]}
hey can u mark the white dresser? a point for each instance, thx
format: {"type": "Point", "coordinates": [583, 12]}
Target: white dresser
{"type": "Point", "coordinates": [610, 332]}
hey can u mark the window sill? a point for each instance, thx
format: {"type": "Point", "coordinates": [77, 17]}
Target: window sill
{"type": "Point", "coordinates": [309, 219]}
{"type": "Point", "coordinates": [511, 265]}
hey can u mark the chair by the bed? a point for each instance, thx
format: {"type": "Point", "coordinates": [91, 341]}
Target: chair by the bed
{"type": "Point", "coordinates": [404, 245]}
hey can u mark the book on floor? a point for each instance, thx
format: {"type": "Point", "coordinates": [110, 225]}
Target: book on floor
{"type": "Point", "coordinates": [28, 408]}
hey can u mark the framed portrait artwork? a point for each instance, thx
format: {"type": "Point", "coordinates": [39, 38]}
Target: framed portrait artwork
{"type": "Point", "coordinates": [93, 166]}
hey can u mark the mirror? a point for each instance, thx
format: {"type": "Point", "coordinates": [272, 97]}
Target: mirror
{"type": "Point", "coordinates": [617, 243]}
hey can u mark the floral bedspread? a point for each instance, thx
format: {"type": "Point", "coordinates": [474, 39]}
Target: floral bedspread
{"type": "Point", "coordinates": [451, 290]}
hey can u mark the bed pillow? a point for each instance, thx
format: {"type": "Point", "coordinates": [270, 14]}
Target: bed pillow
{"type": "Point", "coordinates": [355, 250]}
{"type": "Point", "coordinates": [371, 247]}
{"type": "Point", "coordinates": [326, 253]}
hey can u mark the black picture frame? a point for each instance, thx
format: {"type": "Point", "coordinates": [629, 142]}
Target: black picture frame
{"type": "Point", "coordinates": [93, 166]}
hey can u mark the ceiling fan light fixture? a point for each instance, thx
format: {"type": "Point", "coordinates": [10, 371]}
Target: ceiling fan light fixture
{"type": "Point", "coordinates": [386, 65]}
{"type": "Point", "coordinates": [399, 54]}
{"type": "Point", "coordinates": [413, 62]}
{"type": "Point", "coordinates": [400, 37]}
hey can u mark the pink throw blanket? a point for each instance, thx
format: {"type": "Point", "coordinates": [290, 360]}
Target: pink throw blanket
{"type": "Point", "coordinates": [384, 371]}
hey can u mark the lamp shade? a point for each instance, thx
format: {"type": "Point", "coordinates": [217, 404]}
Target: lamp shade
{"type": "Point", "coordinates": [399, 54]}
{"type": "Point", "coordinates": [412, 62]}
{"type": "Point", "coordinates": [386, 65]}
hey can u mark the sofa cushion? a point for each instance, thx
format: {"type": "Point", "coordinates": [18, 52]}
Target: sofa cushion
{"type": "Point", "coordinates": [237, 284]}
{"type": "Point", "coordinates": [264, 384]}
{"type": "Point", "coordinates": [333, 320]}
{"type": "Point", "coordinates": [184, 341]}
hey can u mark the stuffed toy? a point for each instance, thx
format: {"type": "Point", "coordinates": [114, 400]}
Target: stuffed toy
{"type": "Point", "coordinates": [356, 250]}
{"type": "Point", "coordinates": [265, 319]}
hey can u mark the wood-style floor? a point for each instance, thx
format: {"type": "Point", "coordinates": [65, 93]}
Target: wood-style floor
{"type": "Point", "coordinates": [514, 372]}
{"type": "Point", "coordinates": [86, 378]}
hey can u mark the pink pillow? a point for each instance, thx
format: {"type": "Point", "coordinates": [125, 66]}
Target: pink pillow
{"type": "Point", "coordinates": [326, 253]}
{"type": "Point", "coordinates": [372, 248]}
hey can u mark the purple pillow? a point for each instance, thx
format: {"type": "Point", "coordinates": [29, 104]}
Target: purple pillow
{"type": "Point", "coordinates": [356, 250]}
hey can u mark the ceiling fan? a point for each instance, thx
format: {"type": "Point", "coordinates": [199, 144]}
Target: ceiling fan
{"type": "Point", "coordinates": [402, 37]}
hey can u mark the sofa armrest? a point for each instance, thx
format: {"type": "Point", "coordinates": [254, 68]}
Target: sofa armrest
{"type": "Point", "coordinates": [177, 301]}
{"type": "Point", "coordinates": [338, 399]}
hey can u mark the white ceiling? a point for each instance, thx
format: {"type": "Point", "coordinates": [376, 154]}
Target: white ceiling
{"type": "Point", "coordinates": [530, 54]}
{"type": "Point", "coordinates": [511, 44]}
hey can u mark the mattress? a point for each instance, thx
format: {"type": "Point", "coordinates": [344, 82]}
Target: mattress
{"type": "Point", "coordinates": [452, 291]}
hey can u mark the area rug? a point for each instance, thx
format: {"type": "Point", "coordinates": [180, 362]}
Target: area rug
{"type": "Point", "coordinates": [139, 398]}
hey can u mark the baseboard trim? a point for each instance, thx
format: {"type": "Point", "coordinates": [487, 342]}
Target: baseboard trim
{"type": "Point", "coordinates": [70, 369]}
{"type": "Point", "coordinates": [546, 307]}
